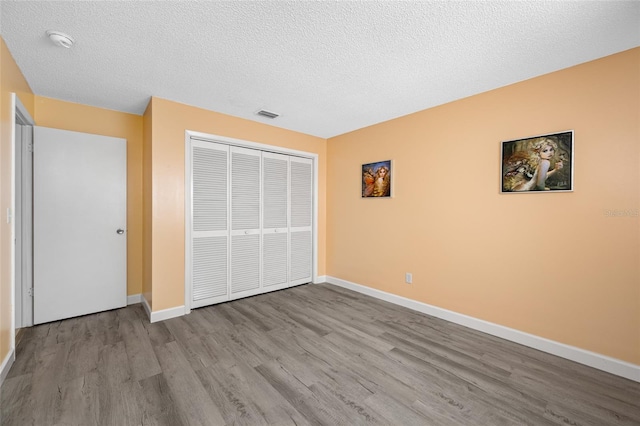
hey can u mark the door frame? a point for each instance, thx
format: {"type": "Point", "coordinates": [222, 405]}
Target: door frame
{"type": "Point", "coordinates": [21, 116]}
{"type": "Point", "coordinates": [206, 137]}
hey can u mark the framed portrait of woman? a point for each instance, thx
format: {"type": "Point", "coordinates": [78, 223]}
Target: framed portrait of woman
{"type": "Point", "coordinates": [541, 163]}
{"type": "Point", "coordinates": [376, 179]}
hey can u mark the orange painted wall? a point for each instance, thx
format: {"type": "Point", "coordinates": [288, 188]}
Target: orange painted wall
{"type": "Point", "coordinates": [82, 118]}
{"type": "Point", "coordinates": [11, 80]}
{"type": "Point", "coordinates": [169, 122]}
{"type": "Point", "coordinates": [552, 265]}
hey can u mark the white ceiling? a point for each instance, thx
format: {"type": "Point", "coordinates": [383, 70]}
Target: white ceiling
{"type": "Point", "coordinates": [329, 67]}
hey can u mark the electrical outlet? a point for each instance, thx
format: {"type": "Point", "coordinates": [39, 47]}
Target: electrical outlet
{"type": "Point", "coordinates": [408, 278]}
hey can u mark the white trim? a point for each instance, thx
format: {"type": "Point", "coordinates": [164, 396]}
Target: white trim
{"type": "Point", "coordinates": [6, 365]}
{"type": "Point", "coordinates": [207, 137]}
{"type": "Point", "coordinates": [314, 229]}
{"type": "Point", "coordinates": [132, 299]}
{"type": "Point", "coordinates": [166, 314]}
{"type": "Point", "coordinates": [18, 113]}
{"type": "Point", "coordinates": [592, 359]}
{"type": "Point", "coordinates": [188, 195]}
{"type": "Point", "coordinates": [145, 305]}
{"type": "Point", "coordinates": [12, 207]}
{"type": "Point", "coordinates": [320, 279]}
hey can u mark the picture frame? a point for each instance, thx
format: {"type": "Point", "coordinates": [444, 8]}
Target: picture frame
{"type": "Point", "coordinates": [377, 179]}
{"type": "Point", "coordinates": [537, 164]}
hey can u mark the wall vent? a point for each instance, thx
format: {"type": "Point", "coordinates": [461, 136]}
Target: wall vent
{"type": "Point", "coordinates": [268, 114]}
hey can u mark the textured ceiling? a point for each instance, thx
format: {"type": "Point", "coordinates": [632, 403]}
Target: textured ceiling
{"type": "Point", "coordinates": [327, 67]}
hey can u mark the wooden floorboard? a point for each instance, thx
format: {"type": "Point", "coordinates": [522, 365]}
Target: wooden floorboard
{"type": "Point", "coordinates": [309, 355]}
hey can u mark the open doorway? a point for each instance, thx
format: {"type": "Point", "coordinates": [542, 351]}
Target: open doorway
{"type": "Point", "coordinates": [22, 218]}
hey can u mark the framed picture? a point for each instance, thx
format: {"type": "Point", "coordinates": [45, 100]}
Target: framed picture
{"type": "Point", "coordinates": [538, 164]}
{"type": "Point", "coordinates": [376, 179]}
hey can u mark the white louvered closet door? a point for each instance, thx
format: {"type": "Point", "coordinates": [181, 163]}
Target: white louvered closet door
{"type": "Point", "coordinates": [245, 221]}
{"type": "Point", "coordinates": [275, 223]}
{"type": "Point", "coordinates": [210, 223]}
{"type": "Point", "coordinates": [300, 232]}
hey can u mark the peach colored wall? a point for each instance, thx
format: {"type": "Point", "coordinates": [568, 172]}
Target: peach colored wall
{"type": "Point", "coordinates": [147, 283]}
{"type": "Point", "coordinates": [169, 122]}
{"type": "Point", "coordinates": [11, 80]}
{"type": "Point", "coordinates": [549, 264]}
{"type": "Point", "coordinates": [82, 118]}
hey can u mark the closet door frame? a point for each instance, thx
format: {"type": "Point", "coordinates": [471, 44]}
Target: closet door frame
{"type": "Point", "coordinates": [188, 191]}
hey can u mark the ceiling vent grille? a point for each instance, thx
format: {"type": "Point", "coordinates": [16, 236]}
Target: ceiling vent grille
{"type": "Point", "coordinates": [268, 114]}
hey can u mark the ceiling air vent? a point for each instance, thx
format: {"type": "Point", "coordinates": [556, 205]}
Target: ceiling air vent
{"type": "Point", "coordinates": [268, 114]}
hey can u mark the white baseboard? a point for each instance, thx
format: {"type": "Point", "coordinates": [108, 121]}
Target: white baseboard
{"type": "Point", "coordinates": [6, 365]}
{"type": "Point", "coordinates": [132, 299]}
{"type": "Point", "coordinates": [165, 314]}
{"type": "Point", "coordinates": [145, 305]}
{"type": "Point", "coordinates": [320, 279]}
{"type": "Point", "coordinates": [592, 359]}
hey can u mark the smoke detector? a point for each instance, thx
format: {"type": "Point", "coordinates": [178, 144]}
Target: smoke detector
{"type": "Point", "coordinates": [60, 39]}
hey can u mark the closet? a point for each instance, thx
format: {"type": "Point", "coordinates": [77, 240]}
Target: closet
{"type": "Point", "coordinates": [249, 221]}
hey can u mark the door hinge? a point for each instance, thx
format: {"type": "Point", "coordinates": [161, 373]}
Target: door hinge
{"type": "Point", "coordinates": [30, 292]}
{"type": "Point", "coordinates": [30, 147]}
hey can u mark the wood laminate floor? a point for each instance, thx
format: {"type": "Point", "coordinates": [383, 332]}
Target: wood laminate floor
{"type": "Point", "coordinates": [310, 355]}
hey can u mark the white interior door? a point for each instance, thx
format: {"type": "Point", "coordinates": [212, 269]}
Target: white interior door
{"type": "Point", "coordinates": [80, 243]}
{"type": "Point", "coordinates": [275, 220]}
{"type": "Point", "coordinates": [245, 221]}
{"type": "Point", "coordinates": [210, 223]}
{"type": "Point", "coordinates": [301, 233]}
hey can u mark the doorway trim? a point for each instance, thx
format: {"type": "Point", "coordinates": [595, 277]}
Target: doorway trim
{"type": "Point", "coordinates": [19, 115]}
{"type": "Point", "coordinates": [206, 137]}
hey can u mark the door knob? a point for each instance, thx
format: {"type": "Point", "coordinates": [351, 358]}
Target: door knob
{"type": "Point", "coordinates": [120, 231]}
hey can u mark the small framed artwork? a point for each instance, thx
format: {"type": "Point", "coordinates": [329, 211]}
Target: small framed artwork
{"type": "Point", "coordinates": [538, 164]}
{"type": "Point", "coordinates": [376, 179]}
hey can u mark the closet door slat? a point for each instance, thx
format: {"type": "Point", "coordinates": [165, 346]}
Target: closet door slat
{"type": "Point", "coordinates": [209, 267]}
{"type": "Point", "coordinates": [301, 241]}
{"type": "Point", "coordinates": [245, 263]}
{"type": "Point", "coordinates": [301, 192]}
{"type": "Point", "coordinates": [276, 190]}
{"type": "Point", "coordinates": [245, 189]}
{"type": "Point", "coordinates": [210, 222]}
{"type": "Point", "coordinates": [275, 230]}
{"type": "Point", "coordinates": [245, 219]}
{"type": "Point", "coordinates": [209, 189]}
{"type": "Point", "coordinates": [275, 252]}
{"type": "Point", "coordinates": [301, 256]}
